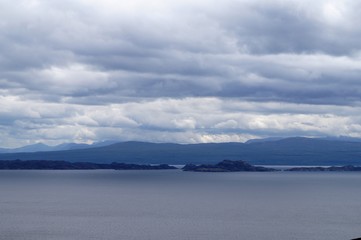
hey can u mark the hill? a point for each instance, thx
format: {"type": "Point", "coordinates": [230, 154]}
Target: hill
{"type": "Point", "coordinates": [40, 147]}
{"type": "Point", "coordinates": [289, 151]}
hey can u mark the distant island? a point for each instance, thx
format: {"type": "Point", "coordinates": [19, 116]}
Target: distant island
{"type": "Point", "coordinates": [348, 168]}
{"type": "Point", "coordinates": [64, 165]}
{"type": "Point", "coordinates": [242, 166]}
{"type": "Point", "coordinates": [227, 166]}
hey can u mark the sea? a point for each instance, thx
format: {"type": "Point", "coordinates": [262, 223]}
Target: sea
{"type": "Point", "coordinates": [177, 205]}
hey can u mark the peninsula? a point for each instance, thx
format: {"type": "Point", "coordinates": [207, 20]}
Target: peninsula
{"type": "Point", "coordinates": [64, 165]}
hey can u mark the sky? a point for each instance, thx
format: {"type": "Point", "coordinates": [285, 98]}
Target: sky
{"type": "Point", "coordinates": [184, 71]}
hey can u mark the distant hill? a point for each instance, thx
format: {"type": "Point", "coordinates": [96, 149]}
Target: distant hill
{"type": "Point", "coordinates": [40, 147]}
{"type": "Point", "coordinates": [29, 148]}
{"type": "Point", "coordinates": [288, 151]}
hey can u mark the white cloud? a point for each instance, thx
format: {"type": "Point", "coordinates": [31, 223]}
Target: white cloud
{"type": "Point", "coordinates": [185, 123]}
{"type": "Point", "coordinates": [186, 120]}
{"type": "Point", "coordinates": [229, 124]}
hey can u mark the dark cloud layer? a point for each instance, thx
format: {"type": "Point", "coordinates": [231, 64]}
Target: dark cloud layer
{"type": "Point", "coordinates": [89, 70]}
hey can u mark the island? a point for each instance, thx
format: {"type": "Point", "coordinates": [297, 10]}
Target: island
{"type": "Point", "coordinates": [64, 165]}
{"type": "Point", "coordinates": [348, 168]}
{"type": "Point", "coordinates": [227, 166]}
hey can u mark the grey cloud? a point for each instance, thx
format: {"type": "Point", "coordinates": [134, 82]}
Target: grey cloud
{"type": "Point", "coordinates": [295, 26]}
{"type": "Point", "coordinates": [178, 53]}
{"type": "Point", "coordinates": [84, 58]}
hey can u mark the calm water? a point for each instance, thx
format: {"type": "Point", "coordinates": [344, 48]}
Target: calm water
{"type": "Point", "coordinates": [170, 205]}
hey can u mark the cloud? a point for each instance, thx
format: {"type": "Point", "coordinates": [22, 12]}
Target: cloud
{"type": "Point", "coordinates": [173, 120]}
{"type": "Point", "coordinates": [181, 71]}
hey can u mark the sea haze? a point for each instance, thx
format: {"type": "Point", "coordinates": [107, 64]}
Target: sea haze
{"type": "Point", "coordinates": [176, 205]}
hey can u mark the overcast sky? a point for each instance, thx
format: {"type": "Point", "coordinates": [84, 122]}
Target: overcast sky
{"type": "Point", "coordinates": [182, 71]}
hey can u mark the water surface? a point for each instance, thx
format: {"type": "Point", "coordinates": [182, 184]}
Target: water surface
{"type": "Point", "coordinates": [176, 205]}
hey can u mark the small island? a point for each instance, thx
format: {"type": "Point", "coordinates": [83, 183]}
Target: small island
{"type": "Point", "coordinates": [64, 165]}
{"type": "Point", "coordinates": [227, 166]}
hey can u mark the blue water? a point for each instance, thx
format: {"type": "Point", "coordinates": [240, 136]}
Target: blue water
{"type": "Point", "coordinates": [175, 205]}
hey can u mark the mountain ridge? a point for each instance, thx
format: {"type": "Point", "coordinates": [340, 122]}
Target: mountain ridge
{"type": "Point", "coordinates": [41, 147]}
{"type": "Point", "coordinates": [288, 151]}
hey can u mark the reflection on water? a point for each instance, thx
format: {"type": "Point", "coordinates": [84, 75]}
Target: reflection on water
{"type": "Point", "coordinates": [179, 205]}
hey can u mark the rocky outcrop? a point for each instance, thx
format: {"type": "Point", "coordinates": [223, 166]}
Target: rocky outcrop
{"type": "Point", "coordinates": [227, 166]}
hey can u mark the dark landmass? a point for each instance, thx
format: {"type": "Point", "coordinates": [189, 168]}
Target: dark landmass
{"type": "Point", "coordinates": [348, 168]}
{"type": "Point", "coordinates": [224, 166]}
{"type": "Point", "coordinates": [64, 165]}
{"type": "Point", "coordinates": [227, 166]}
{"type": "Point", "coordinates": [290, 151]}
